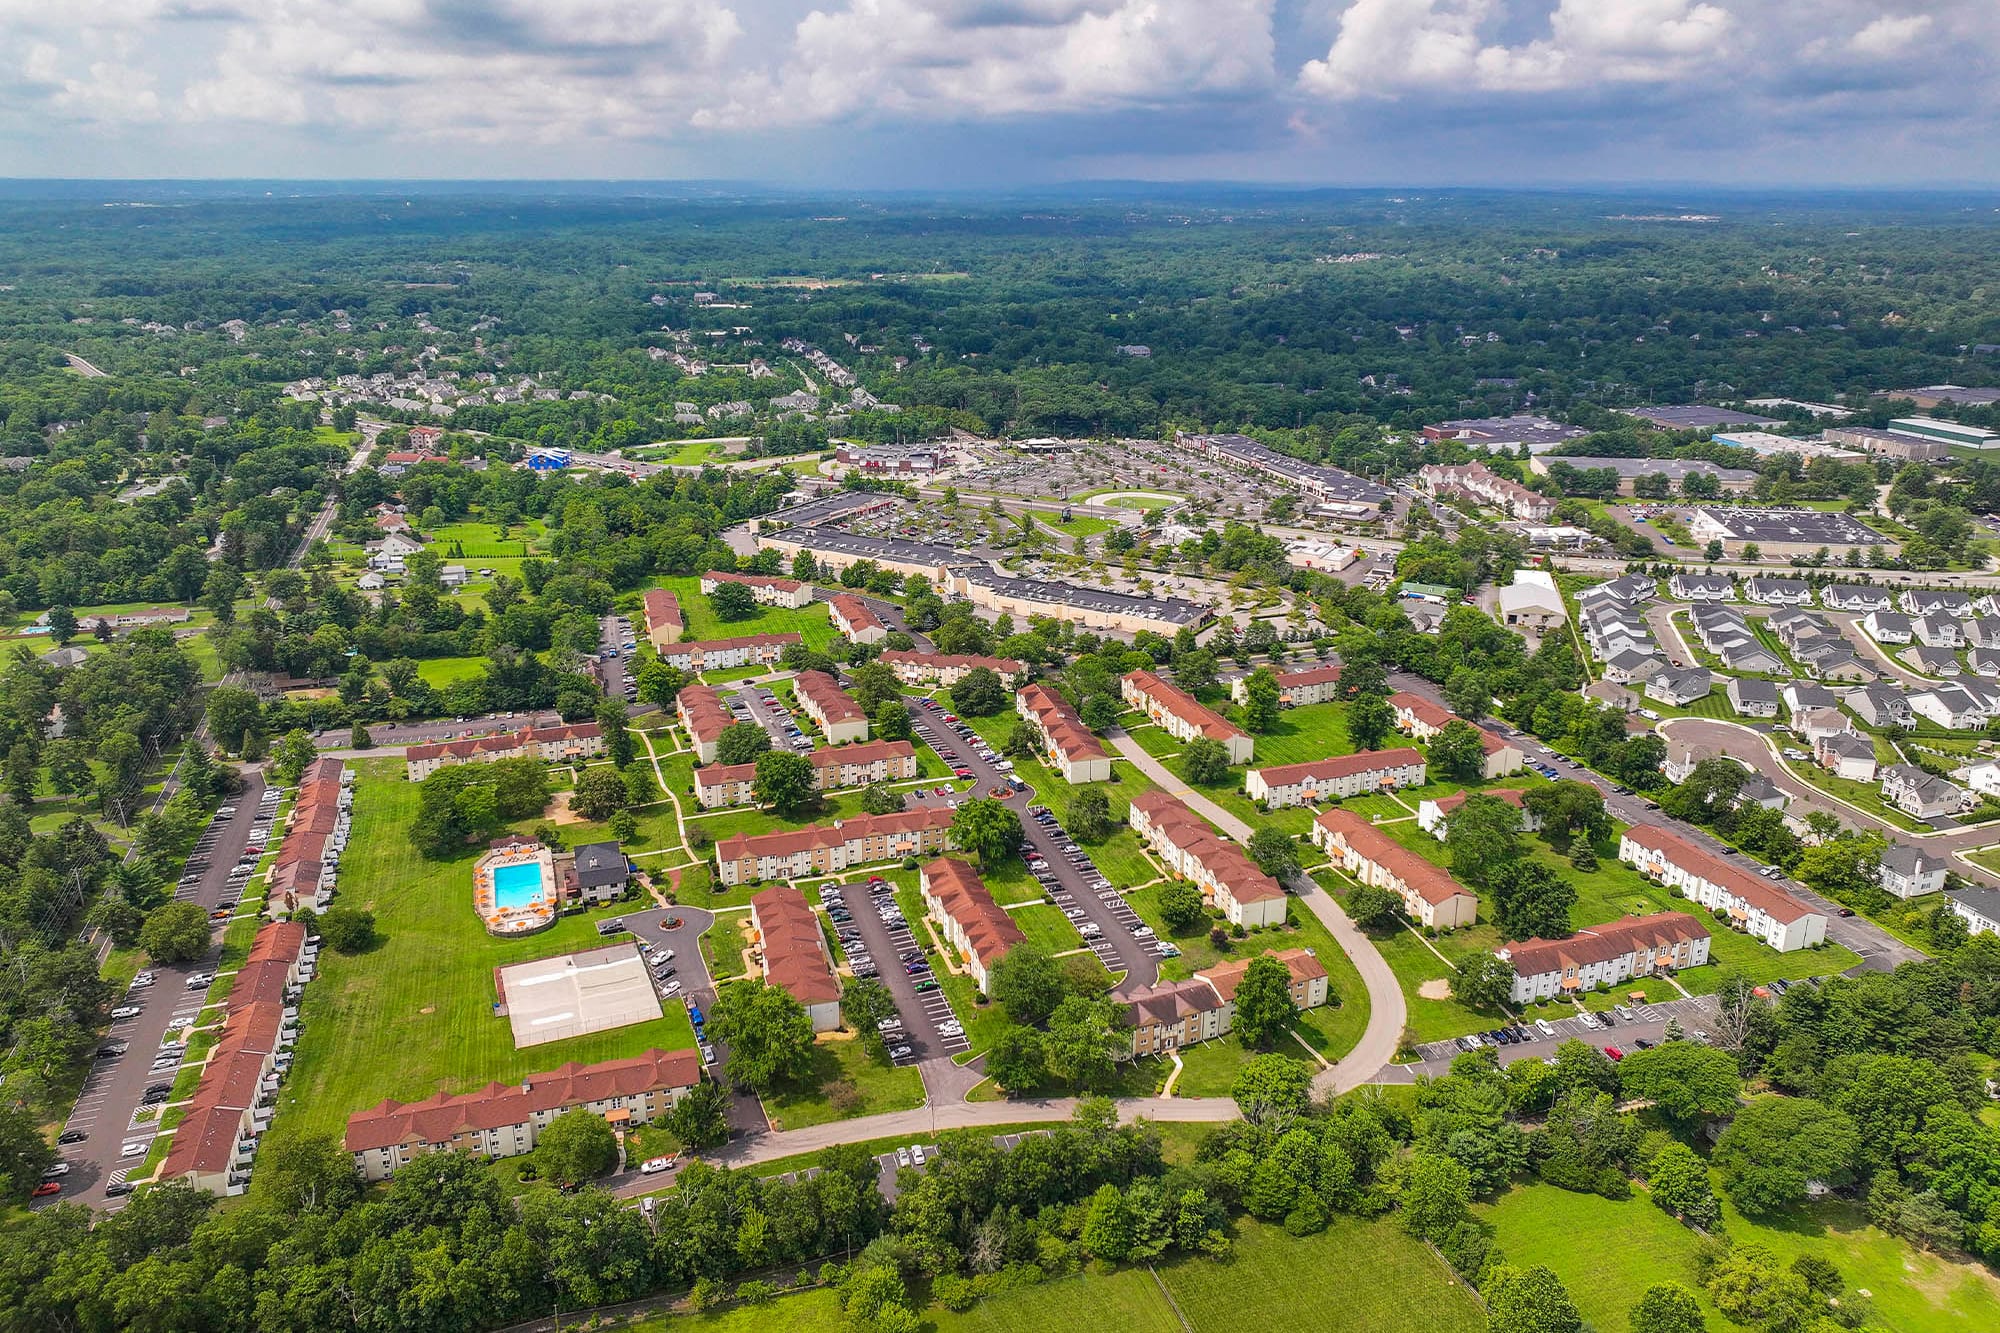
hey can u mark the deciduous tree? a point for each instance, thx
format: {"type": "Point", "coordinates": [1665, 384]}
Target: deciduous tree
{"type": "Point", "coordinates": [1264, 1007]}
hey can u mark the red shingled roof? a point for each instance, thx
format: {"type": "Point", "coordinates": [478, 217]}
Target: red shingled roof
{"type": "Point", "coordinates": [1767, 897]}
{"type": "Point", "coordinates": [754, 580]}
{"type": "Point", "coordinates": [743, 846]}
{"type": "Point", "coordinates": [795, 958]}
{"type": "Point", "coordinates": [1005, 666]}
{"type": "Point", "coordinates": [701, 708]}
{"type": "Point", "coordinates": [1221, 858]}
{"type": "Point", "coordinates": [1341, 766]}
{"type": "Point", "coordinates": [1660, 931]}
{"type": "Point", "coordinates": [965, 899]}
{"type": "Point", "coordinates": [824, 693]}
{"type": "Point", "coordinates": [1427, 879]}
{"type": "Point", "coordinates": [525, 738]}
{"type": "Point", "coordinates": [853, 613]}
{"type": "Point", "coordinates": [1319, 675]}
{"type": "Point", "coordinates": [662, 608]}
{"type": "Point", "coordinates": [1060, 723]}
{"type": "Point", "coordinates": [1184, 706]}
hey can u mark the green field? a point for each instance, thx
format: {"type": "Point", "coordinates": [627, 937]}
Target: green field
{"type": "Point", "coordinates": [1631, 1245]}
{"type": "Point", "coordinates": [438, 672]}
{"type": "Point", "coordinates": [1079, 526]}
{"type": "Point", "coordinates": [1132, 499]}
{"type": "Point", "coordinates": [811, 622]}
{"type": "Point", "coordinates": [847, 1082]}
{"type": "Point", "coordinates": [1367, 1277]}
{"type": "Point", "coordinates": [414, 1015]}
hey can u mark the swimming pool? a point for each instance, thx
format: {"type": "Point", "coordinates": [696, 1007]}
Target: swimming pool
{"type": "Point", "coordinates": [518, 884]}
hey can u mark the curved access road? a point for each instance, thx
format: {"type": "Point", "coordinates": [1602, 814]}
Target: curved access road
{"type": "Point", "coordinates": [1387, 1013]}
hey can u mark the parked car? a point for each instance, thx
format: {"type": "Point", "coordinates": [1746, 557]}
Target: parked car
{"type": "Point", "coordinates": [125, 1011]}
{"type": "Point", "coordinates": [46, 1188]}
{"type": "Point", "coordinates": [71, 1136]}
{"type": "Point", "coordinates": [655, 1165]}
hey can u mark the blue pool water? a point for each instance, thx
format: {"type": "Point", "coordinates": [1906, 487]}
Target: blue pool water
{"type": "Point", "coordinates": [518, 884]}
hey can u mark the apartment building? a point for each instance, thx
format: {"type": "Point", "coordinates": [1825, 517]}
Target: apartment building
{"type": "Point", "coordinates": [853, 618]}
{"type": "Point", "coordinates": [703, 717]}
{"type": "Point", "coordinates": [1418, 717]}
{"type": "Point", "coordinates": [1181, 715]}
{"type": "Point", "coordinates": [826, 849]}
{"type": "Point", "coordinates": [719, 786]}
{"type": "Point", "coordinates": [945, 670]}
{"type": "Point", "coordinates": [316, 832]}
{"type": "Point", "coordinates": [1434, 813]}
{"type": "Point", "coordinates": [1174, 1014]}
{"type": "Point", "coordinates": [1066, 744]}
{"type": "Point", "coordinates": [769, 590]}
{"type": "Point", "coordinates": [505, 1120]}
{"type": "Point", "coordinates": [840, 719]}
{"type": "Point", "coordinates": [787, 934]}
{"type": "Point", "coordinates": [1430, 896]}
{"type": "Point", "coordinates": [1477, 482]}
{"type": "Point", "coordinates": [725, 654]}
{"type": "Point", "coordinates": [1605, 955]}
{"type": "Point", "coordinates": [664, 624]}
{"type": "Point", "coordinates": [235, 1097]}
{"type": "Point", "coordinates": [1754, 905]}
{"type": "Point", "coordinates": [1323, 779]}
{"type": "Point", "coordinates": [1195, 852]}
{"type": "Point", "coordinates": [565, 744]}
{"type": "Point", "coordinates": [971, 922]}
{"type": "Point", "coordinates": [1296, 689]}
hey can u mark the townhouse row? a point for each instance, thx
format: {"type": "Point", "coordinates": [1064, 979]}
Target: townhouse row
{"type": "Point", "coordinates": [569, 743]}
{"type": "Point", "coordinates": [719, 786]}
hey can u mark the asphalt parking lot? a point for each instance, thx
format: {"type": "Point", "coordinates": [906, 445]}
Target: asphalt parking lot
{"type": "Point", "coordinates": [1624, 1030]}
{"type": "Point", "coordinates": [876, 929]}
{"type": "Point", "coordinates": [1068, 876]}
{"type": "Point", "coordinates": [114, 1142]}
{"type": "Point", "coordinates": [769, 714]}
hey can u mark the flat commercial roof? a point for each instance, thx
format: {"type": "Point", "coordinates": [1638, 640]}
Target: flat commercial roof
{"type": "Point", "coordinates": [1331, 481]}
{"type": "Point", "coordinates": [1793, 525]}
{"type": "Point", "coordinates": [824, 507]}
{"type": "Point", "coordinates": [554, 998]}
{"type": "Point", "coordinates": [1504, 432]}
{"type": "Point", "coordinates": [876, 548]}
{"type": "Point", "coordinates": [1692, 417]}
{"type": "Point", "coordinates": [1175, 610]}
{"type": "Point", "coordinates": [1677, 468]}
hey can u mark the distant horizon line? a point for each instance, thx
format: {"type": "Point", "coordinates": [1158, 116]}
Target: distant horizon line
{"type": "Point", "coordinates": [23, 185]}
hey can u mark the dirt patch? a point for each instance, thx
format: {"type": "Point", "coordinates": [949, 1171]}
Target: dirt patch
{"type": "Point", "coordinates": [1435, 989]}
{"type": "Point", "coordinates": [560, 813]}
{"type": "Point", "coordinates": [428, 1009]}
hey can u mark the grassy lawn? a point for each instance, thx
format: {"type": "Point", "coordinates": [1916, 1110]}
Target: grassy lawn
{"type": "Point", "coordinates": [414, 1015]}
{"type": "Point", "coordinates": [1364, 1276]}
{"type": "Point", "coordinates": [847, 1082]}
{"type": "Point", "coordinates": [810, 622]}
{"type": "Point", "coordinates": [1857, 794]}
{"type": "Point", "coordinates": [442, 671]}
{"type": "Point", "coordinates": [1045, 925]}
{"type": "Point", "coordinates": [1638, 1245]}
{"type": "Point", "coordinates": [1132, 500]}
{"type": "Point", "coordinates": [1312, 732]}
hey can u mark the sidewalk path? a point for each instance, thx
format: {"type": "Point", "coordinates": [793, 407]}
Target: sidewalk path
{"type": "Point", "coordinates": [1387, 1012]}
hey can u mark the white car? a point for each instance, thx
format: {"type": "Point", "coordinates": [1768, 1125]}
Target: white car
{"type": "Point", "coordinates": [671, 988]}
{"type": "Point", "coordinates": [917, 1154]}
{"type": "Point", "coordinates": [132, 1150]}
{"type": "Point", "coordinates": [654, 1166]}
{"type": "Point", "coordinates": [902, 1157]}
{"type": "Point", "coordinates": [125, 1011]}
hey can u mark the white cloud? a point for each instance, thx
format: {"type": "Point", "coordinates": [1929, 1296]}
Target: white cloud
{"type": "Point", "coordinates": [1889, 35]}
{"type": "Point", "coordinates": [1010, 57]}
{"type": "Point", "coordinates": [1385, 48]}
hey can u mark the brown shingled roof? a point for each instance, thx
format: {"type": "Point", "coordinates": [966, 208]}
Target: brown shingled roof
{"type": "Point", "coordinates": [1341, 766]}
{"type": "Point", "coordinates": [965, 898]}
{"type": "Point", "coordinates": [1184, 706]}
{"type": "Point", "coordinates": [1773, 901]}
{"type": "Point", "coordinates": [1600, 944]}
{"type": "Point", "coordinates": [1060, 723]}
{"type": "Point", "coordinates": [1428, 879]}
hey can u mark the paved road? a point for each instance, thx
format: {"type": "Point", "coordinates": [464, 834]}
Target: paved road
{"type": "Point", "coordinates": [1754, 748]}
{"type": "Point", "coordinates": [647, 920]}
{"type": "Point", "coordinates": [113, 1091]}
{"type": "Point", "coordinates": [1387, 1012]}
{"type": "Point", "coordinates": [923, 1124]}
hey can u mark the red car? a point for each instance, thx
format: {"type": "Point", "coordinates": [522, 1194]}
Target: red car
{"type": "Point", "coordinates": [1614, 1052]}
{"type": "Point", "coordinates": [46, 1188]}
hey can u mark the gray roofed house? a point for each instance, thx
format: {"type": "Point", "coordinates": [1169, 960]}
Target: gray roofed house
{"type": "Point", "coordinates": [1632, 588]}
{"type": "Point", "coordinates": [1629, 470]}
{"type": "Point", "coordinates": [601, 871]}
{"type": "Point", "coordinates": [1888, 626]}
{"type": "Point", "coordinates": [1982, 631]}
{"type": "Point", "coordinates": [1882, 706]}
{"type": "Point", "coordinates": [1847, 754]}
{"type": "Point", "coordinates": [1982, 692]}
{"type": "Point", "coordinates": [1631, 665]}
{"type": "Point", "coordinates": [1984, 661]}
{"type": "Point", "coordinates": [1939, 631]}
{"type": "Point", "coordinates": [1925, 795]}
{"type": "Point", "coordinates": [1753, 698]}
{"type": "Point", "coordinates": [1778, 592]}
{"type": "Point", "coordinates": [1930, 601]}
{"type": "Point", "coordinates": [1909, 872]}
{"type": "Point", "coordinates": [1950, 706]}
{"type": "Point", "coordinates": [1702, 587]}
{"type": "Point", "coordinates": [1980, 909]}
{"type": "Point", "coordinates": [1749, 655]}
{"type": "Point", "coordinates": [1836, 661]}
{"type": "Point", "coordinates": [1792, 625]}
{"type": "Point", "coordinates": [1760, 790]}
{"type": "Point", "coordinates": [66, 657]}
{"type": "Point", "coordinates": [1680, 686]}
{"type": "Point", "coordinates": [1853, 597]}
{"type": "Point", "coordinates": [1932, 661]}
{"type": "Point", "coordinates": [1799, 695]}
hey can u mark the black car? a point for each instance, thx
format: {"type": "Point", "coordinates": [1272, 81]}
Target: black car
{"type": "Point", "coordinates": [117, 1188]}
{"type": "Point", "coordinates": [153, 1098]}
{"type": "Point", "coordinates": [160, 1087]}
{"type": "Point", "coordinates": [71, 1136]}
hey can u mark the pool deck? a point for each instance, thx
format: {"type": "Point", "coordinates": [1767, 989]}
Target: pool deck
{"type": "Point", "coordinates": [538, 914]}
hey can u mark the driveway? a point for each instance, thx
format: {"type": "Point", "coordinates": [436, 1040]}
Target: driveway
{"type": "Point", "coordinates": [116, 1085]}
{"type": "Point", "coordinates": [647, 920]}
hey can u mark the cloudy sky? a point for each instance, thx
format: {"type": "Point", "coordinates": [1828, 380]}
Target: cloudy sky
{"type": "Point", "coordinates": [1001, 92]}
